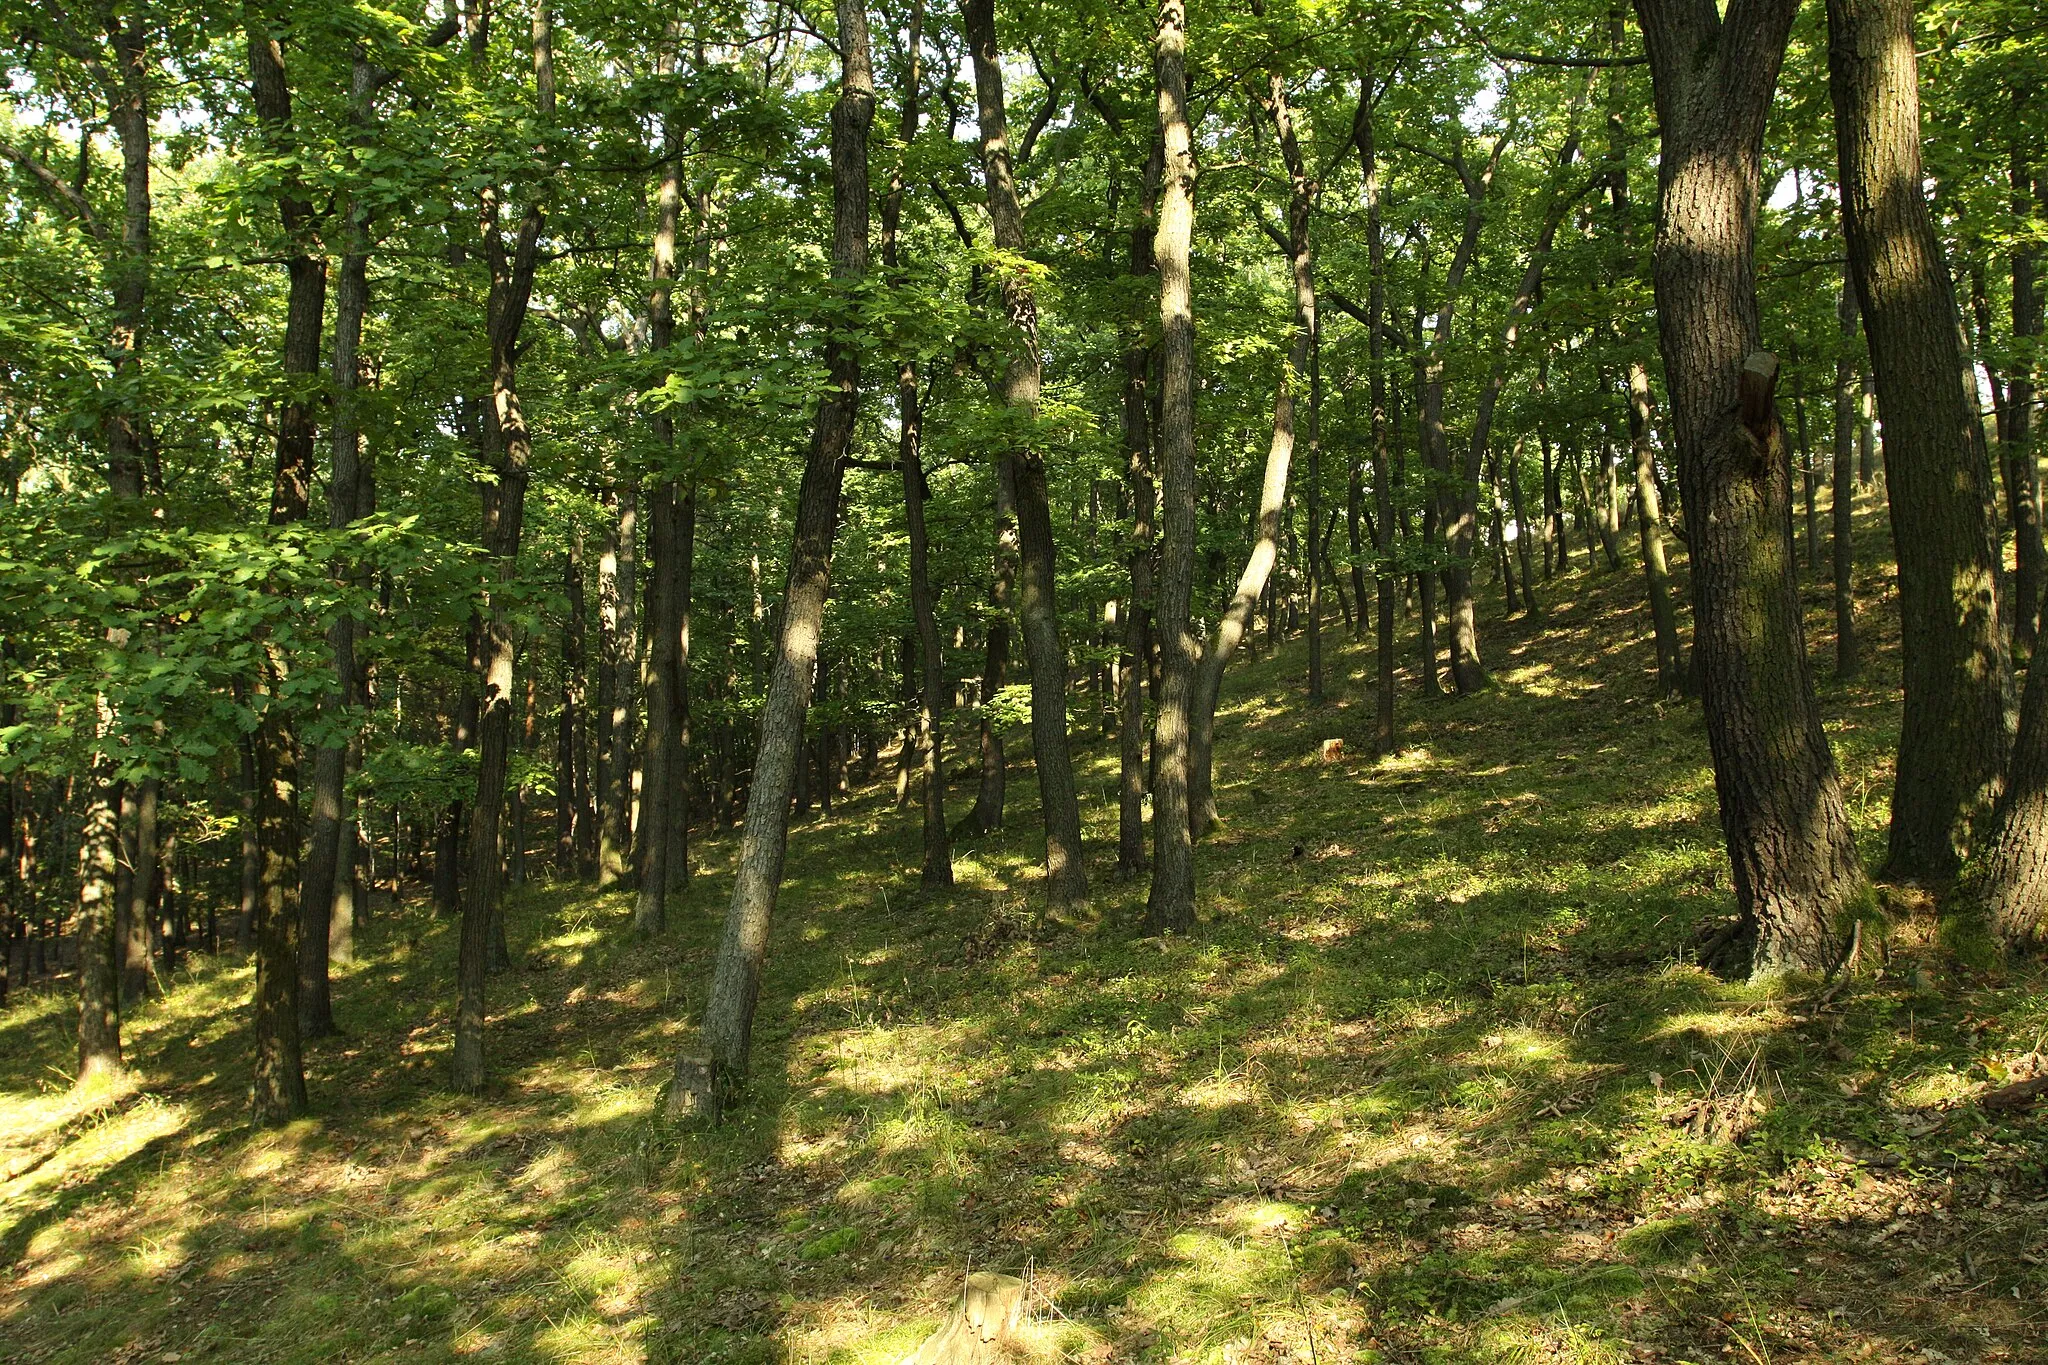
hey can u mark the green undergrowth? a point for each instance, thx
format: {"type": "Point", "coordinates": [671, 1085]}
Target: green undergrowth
{"type": "Point", "coordinates": [1437, 1078]}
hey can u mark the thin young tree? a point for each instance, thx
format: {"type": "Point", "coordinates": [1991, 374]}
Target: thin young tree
{"type": "Point", "coordinates": [764, 839]}
{"type": "Point", "coordinates": [1066, 870]}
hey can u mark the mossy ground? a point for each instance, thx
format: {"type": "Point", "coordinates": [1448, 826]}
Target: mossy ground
{"type": "Point", "coordinates": [1436, 1080]}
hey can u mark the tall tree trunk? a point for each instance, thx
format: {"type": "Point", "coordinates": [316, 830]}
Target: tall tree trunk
{"type": "Point", "coordinates": [1650, 535]}
{"type": "Point", "coordinates": [736, 980]}
{"type": "Point", "coordinates": [252, 852]}
{"type": "Point", "coordinates": [1066, 871]}
{"type": "Point", "coordinates": [510, 449]}
{"type": "Point", "coordinates": [571, 779]}
{"type": "Point", "coordinates": [1258, 568]}
{"type": "Point", "coordinates": [1385, 736]}
{"type": "Point", "coordinates": [279, 1086]}
{"type": "Point", "coordinates": [669, 548]}
{"type": "Point", "coordinates": [2022, 487]}
{"type": "Point", "coordinates": [987, 815]}
{"type": "Point", "coordinates": [1953, 733]}
{"type": "Point", "coordinates": [1793, 854]}
{"type": "Point", "coordinates": [1134, 775]}
{"type": "Point", "coordinates": [937, 872]}
{"type": "Point", "coordinates": [1842, 485]}
{"type": "Point", "coordinates": [1170, 906]}
{"type": "Point", "coordinates": [618, 682]}
{"type": "Point", "coordinates": [1525, 534]}
{"type": "Point", "coordinates": [1315, 517]}
{"type": "Point", "coordinates": [330, 762]}
{"type": "Point", "coordinates": [1458, 522]}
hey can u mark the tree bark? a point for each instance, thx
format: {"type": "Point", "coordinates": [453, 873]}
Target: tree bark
{"type": "Point", "coordinates": [1170, 906]}
{"type": "Point", "coordinates": [99, 984]}
{"type": "Point", "coordinates": [139, 803]}
{"type": "Point", "coordinates": [736, 980]}
{"type": "Point", "coordinates": [1793, 854]}
{"type": "Point", "coordinates": [1385, 735]}
{"type": "Point", "coordinates": [1954, 732]}
{"type": "Point", "coordinates": [1066, 871]}
{"type": "Point", "coordinates": [2012, 874]}
{"type": "Point", "coordinates": [618, 682]}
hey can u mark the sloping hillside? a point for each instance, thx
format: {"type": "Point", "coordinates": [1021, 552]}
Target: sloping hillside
{"type": "Point", "coordinates": [1436, 1080]}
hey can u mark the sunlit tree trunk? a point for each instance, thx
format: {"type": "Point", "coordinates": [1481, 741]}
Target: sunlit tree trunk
{"type": "Point", "coordinates": [743, 947]}
{"type": "Point", "coordinates": [1171, 902]}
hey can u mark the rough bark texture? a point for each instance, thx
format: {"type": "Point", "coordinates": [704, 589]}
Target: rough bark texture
{"type": "Point", "coordinates": [2013, 871]}
{"type": "Point", "coordinates": [1171, 902]}
{"type": "Point", "coordinates": [736, 980]}
{"type": "Point", "coordinates": [1789, 842]}
{"type": "Point", "coordinates": [1953, 732]}
{"type": "Point", "coordinates": [1066, 872]}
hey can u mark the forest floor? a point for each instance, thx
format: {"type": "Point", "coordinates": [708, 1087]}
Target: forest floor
{"type": "Point", "coordinates": [1436, 1080]}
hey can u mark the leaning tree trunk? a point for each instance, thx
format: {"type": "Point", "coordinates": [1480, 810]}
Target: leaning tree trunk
{"type": "Point", "coordinates": [1258, 568]}
{"type": "Point", "coordinates": [1953, 733]}
{"type": "Point", "coordinates": [1796, 874]}
{"type": "Point", "coordinates": [1170, 905]}
{"type": "Point", "coordinates": [736, 980]}
{"type": "Point", "coordinates": [1066, 872]}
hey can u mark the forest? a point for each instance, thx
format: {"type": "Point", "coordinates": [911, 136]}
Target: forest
{"type": "Point", "coordinates": [899, 681]}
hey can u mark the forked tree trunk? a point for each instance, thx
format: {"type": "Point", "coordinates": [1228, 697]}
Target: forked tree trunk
{"type": "Point", "coordinates": [743, 947]}
{"type": "Point", "coordinates": [1066, 871]}
{"type": "Point", "coordinates": [1796, 874]}
{"type": "Point", "coordinates": [1170, 906]}
{"type": "Point", "coordinates": [1953, 733]}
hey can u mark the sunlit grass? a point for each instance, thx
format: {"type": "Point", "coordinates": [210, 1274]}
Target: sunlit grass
{"type": "Point", "coordinates": [1413, 1091]}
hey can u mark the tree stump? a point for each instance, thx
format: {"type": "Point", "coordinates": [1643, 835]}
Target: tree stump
{"type": "Point", "coordinates": [693, 1095]}
{"type": "Point", "coordinates": [986, 1314]}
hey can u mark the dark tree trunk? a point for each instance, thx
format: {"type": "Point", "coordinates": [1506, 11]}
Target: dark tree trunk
{"type": "Point", "coordinates": [1953, 733]}
{"type": "Point", "coordinates": [2016, 416]}
{"type": "Point", "coordinates": [509, 448]}
{"type": "Point", "coordinates": [2012, 874]}
{"type": "Point", "coordinates": [139, 802]}
{"type": "Point", "coordinates": [937, 872]}
{"type": "Point", "coordinates": [1133, 767]}
{"type": "Point", "coordinates": [1171, 903]}
{"type": "Point", "coordinates": [1066, 871]}
{"type": "Point", "coordinates": [1796, 874]}
{"type": "Point", "coordinates": [252, 852]}
{"type": "Point", "coordinates": [1842, 487]}
{"type": "Point", "coordinates": [742, 950]}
